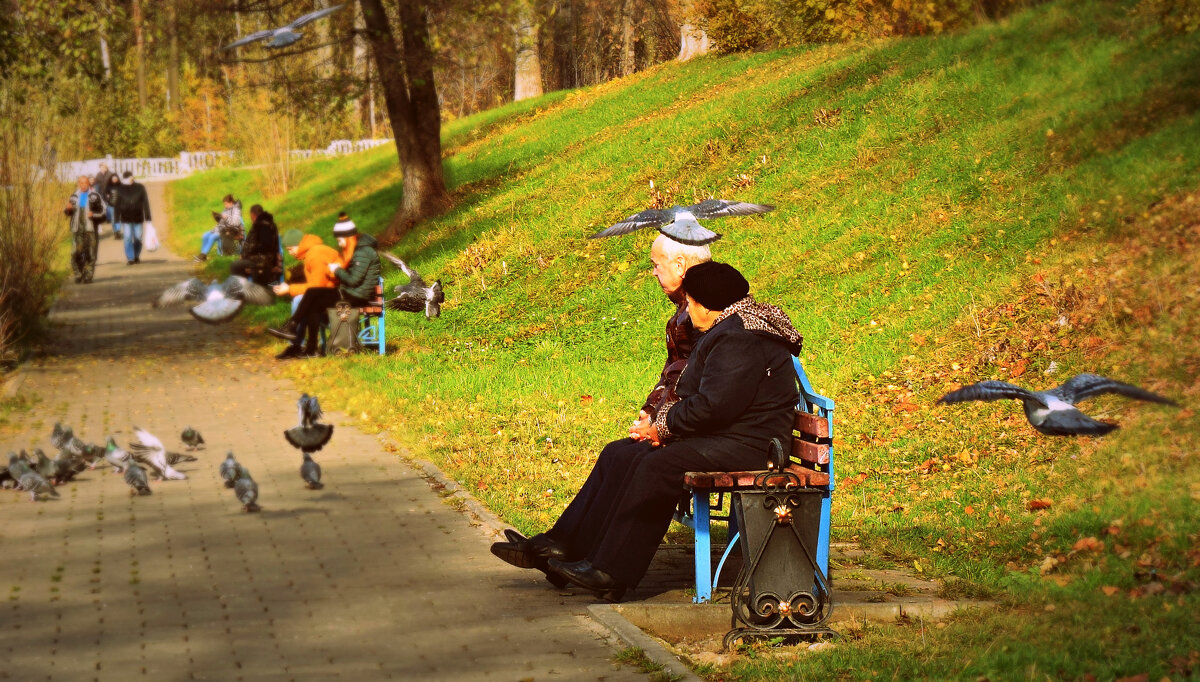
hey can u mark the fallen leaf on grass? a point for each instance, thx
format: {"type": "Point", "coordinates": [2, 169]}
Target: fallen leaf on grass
{"type": "Point", "coordinates": [1088, 544]}
{"type": "Point", "coordinates": [585, 399]}
{"type": "Point", "coordinates": [1110, 590]}
{"type": "Point", "coordinates": [1039, 503]}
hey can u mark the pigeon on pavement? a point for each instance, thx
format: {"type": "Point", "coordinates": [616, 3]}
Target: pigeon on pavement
{"type": "Point", "coordinates": [416, 296]}
{"type": "Point", "coordinates": [1053, 412]}
{"type": "Point", "coordinates": [310, 471]}
{"type": "Point", "coordinates": [192, 438]}
{"type": "Point", "coordinates": [285, 35]}
{"type": "Point", "coordinates": [118, 458]}
{"type": "Point", "coordinates": [135, 476]}
{"type": "Point", "coordinates": [229, 470]}
{"type": "Point", "coordinates": [681, 222]}
{"type": "Point", "coordinates": [28, 479]}
{"type": "Point", "coordinates": [149, 450]}
{"type": "Point", "coordinates": [219, 302]}
{"type": "Point", "coordinates": [309, 435]}
{"type": "Point", "coordinates": [246, 490]}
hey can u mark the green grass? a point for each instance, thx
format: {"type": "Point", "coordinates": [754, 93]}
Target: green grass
{"type": "Point", "coordinates": [943, 202]}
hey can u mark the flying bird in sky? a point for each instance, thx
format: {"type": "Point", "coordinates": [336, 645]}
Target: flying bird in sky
{"type": "Point", "coordinates": [284, 35]}
{"type": "Point", "coordinates": [681, 223]}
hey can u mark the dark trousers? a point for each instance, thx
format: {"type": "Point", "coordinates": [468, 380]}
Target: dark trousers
{"type": "Point", "coordinates": [311, 313]}
{"type": "Point", "coordinates": [85, 245]}
{"type": "Point", "coordinates": [620, 514]}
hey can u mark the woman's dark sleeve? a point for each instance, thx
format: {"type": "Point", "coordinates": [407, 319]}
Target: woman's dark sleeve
{"type": "Point", "coordinates": [733, 368]}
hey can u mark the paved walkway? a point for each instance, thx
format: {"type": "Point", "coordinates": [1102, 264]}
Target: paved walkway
{"type": "Point", "coordinates": [373, 577]}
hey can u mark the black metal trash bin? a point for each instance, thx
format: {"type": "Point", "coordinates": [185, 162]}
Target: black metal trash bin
{"type": "Point", "coordinates": [780, 590]}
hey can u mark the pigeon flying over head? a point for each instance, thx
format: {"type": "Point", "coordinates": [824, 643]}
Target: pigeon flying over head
{"type": "Point", "coordinates": [284, 35]}
{"type": "Point", "coordinates": [416, 296]}
{"type": "Point", "coordinates": [309, 435]}
{"type": "Point", "coordinates": [191, 438]}
{"type": "Point", "coordinates": [149, 450]}
{"type": "Point", "coordinates": [135, 476]}
{"type": "Point", "coordinates": [246, 490]}
{"type": "Point", "coordinates": [1053, 412]}
{"type": "Point", "coordinates": [310, 471]}
{"type": "Point", "coordinates": [681, 223]}
{"type": "Point", "coordinates": [229, 470]}
{"type": "Point", "coordinates": [118, 458]}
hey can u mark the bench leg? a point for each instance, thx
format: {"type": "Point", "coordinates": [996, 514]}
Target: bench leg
{"type": "Point", "coordinates": [822, 556]}
{"type": "Point", "coordinates": [733, 539]}
{"type": "Point", "coordinates": [703, 548]}
{"type": "Point", "coordinates": [382, 337]}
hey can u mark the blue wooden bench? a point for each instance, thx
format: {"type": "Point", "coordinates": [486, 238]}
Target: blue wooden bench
{"type": "Point", "coordinates": [812, 455]}
{"type": "Point", "coordinates": [371, 317]}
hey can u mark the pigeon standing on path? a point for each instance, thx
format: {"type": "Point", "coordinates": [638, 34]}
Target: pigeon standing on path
{"type": "Point", "coordinates": [284, 35]}
{"type": "Point", "coordinates": [416, 296]}
{"type": "Point", "coordinates": [118, 458]}
{"type": "Point", "coordinates": [149, 450]}
{"type": "Point", "coordinates": [135, 476]}
{"type": "Point", "coordinates": [309, 435]}
{"type": "Point", "coordinates": [310, 471]}
{"type": "Point", "coordinates": [1053, 412]}
{"type": "Point", "coordinates": [229, 470]}
{"type": "Point", "coordinates": [246, 490]}
{"type": "Point", "coordinates": [192, 439]}
{"type": "Point", "coordinates": [681, 222]}
{"type": "Point", "coordinates": [28, 479]}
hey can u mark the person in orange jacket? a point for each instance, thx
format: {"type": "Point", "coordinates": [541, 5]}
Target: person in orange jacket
{"type": "Point", "coordinates": [317, 257]}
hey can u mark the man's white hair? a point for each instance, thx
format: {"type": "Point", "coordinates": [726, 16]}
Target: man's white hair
{"type": "Point", "coordinates": [691, 255]}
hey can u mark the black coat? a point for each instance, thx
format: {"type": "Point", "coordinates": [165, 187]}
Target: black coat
{"type": "Point", "coordinates": [736, 393]}
{"type": "Point", "coordinates": [262, 244]}
{"type": "Point", "coordinates": [132, 203]}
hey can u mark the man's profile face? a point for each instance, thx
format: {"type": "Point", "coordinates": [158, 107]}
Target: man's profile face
{"type": "Point", "coordinates": [84, 182]}
{"type": "Point", "coordinates": [668, 271]}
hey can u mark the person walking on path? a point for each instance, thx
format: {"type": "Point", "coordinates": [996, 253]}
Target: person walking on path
{"type": "Point", "coordinates": [102, 184]}
{"type": "Point", "coordinates": [262, 260]}
{"type": "Point", "coordinates": [132, 211]}
{"type": "Point", "coordinates": [83, 207]}
{"type": "Point", "coordinates": [317, 257]}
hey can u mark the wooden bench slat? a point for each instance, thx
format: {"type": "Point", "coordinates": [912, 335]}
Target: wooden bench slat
{"type": "Point", "coordinates": [729, 480]}
{"type": "Point", "coordinates": [371, 310]}
{"type": "Point", "coordinates": [811, 425]}
{"type": "Point", "coordinates": [813, 453]}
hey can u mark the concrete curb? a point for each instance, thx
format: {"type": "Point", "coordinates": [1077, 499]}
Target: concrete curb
{"type": "Point", "coordinates": [630, 634]}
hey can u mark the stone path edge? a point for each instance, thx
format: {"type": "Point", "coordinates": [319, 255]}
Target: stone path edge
{"type": "Point", "coordinates": [607, 615]}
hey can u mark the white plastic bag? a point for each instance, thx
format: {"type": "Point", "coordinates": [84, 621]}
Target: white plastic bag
{"type": "Point", "coordinates": [149, 236]}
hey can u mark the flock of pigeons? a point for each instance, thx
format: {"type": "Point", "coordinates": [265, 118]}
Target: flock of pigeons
{"type": "Point", "coordinates": [38, 475]}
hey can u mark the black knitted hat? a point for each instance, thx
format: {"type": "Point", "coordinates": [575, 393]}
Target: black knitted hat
{"type": "Point", "coordinates": [714, 285]}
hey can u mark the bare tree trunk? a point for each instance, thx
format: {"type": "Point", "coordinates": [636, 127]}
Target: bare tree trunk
{"type": "Point", "coordinates": [139, 39]}
{"type": "Point", "coordinates": [628, 64]}
{"type": "Point", "coordinates": [528, 79]}
{"type": "Point", "coordinates": [104, 59]}
{"type": "Point", "coordinates": [173, 58]}
{"type": "Point", "coordinates": [411, 96]}
{"type": "Point", "coordinates": [693, 41]}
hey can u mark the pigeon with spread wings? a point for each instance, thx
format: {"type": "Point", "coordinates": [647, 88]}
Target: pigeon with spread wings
{"type": "Point", "coordinates": [1053, 412]}
{"type": "Point", "coordinates": [681, 223]}
{"type": "Point", "coordinates": [416, 296]}
{"type": "Point", "coordinates": [284, 35]}
{"type": "Point", "coordinates": [219, 302]}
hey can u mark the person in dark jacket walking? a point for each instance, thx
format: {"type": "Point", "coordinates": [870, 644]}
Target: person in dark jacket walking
{"type": "Point", "coordinates": [262, 258]}
{"type": "Point", "coordinates": [131, 211]}
{"type": "Point", "coordinates": [736, 393]}
{"type": "Point", "coordinates": [83, 207]}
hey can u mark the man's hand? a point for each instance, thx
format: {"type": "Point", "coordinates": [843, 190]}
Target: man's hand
{"type": "Point", "coordinates": [280, 289]}
{"type": "Point", "coordinates": [333, 267]}
{"type": "Point", "coordinates": [644, 430]}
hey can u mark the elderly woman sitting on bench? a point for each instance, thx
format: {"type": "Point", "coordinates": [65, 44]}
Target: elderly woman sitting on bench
{"type": "Point", "coordinates": [737, 392]}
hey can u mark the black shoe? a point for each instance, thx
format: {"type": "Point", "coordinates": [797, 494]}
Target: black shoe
{"type": "Point", "coordinates": [587, 576]}
{"type": "Point", "coordinates": [137, 259]}
{"type": "Point", "coordinates": [129, 262]}
{"type": "Point", "coordinates": [116, 235]}
{"type": "Point", "coordinates": [290, 353]}
{"type": "Point", "coordinates": [286, 332]}
{"type": "Point", "coordinates": [522, 553]}
{"type": "Point", "coordinates": [200, 258]}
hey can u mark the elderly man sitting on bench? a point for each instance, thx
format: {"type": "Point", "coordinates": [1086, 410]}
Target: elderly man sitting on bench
{"type": "Point", "coordinates": [737, 392]}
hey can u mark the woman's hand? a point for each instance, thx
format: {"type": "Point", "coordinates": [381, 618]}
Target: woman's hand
{"type": "Point", "coordinates": [643, 430]}
{"type": "Point", "coordinates": [280, 289]}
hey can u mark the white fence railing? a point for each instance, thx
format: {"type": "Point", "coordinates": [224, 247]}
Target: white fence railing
{"type": "Point", "coordinates": [190, 162]}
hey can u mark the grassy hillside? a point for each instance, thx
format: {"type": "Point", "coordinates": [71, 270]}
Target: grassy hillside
{"type": "Point", "coordinates": [1015, 202]}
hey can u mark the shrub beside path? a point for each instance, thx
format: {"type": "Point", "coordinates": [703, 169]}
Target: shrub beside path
{"type": "Point", "coordinates": [373, 577]}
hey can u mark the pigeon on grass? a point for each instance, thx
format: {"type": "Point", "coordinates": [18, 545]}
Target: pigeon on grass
{"type": "Point", "coordinates": [246, 490]}
{"type": "Point", "coordinates": [149, 450]}
{"type": "Point", "coordinates": [310, 471]}
{"type": "Point", "coordinates": [284, 35]}
{"type": "Point", "coordinates": [309, 435]}
{"type": "Point", "coordinates": [192, 439]}
{"type": "Point", "coordinates": [1053, 412]}
{"type": "Point", "coordinates": [681, 222]}
{"type": "Point", "coordinates": [218, 302]}
{"type": "Point", "coordinates": [416, 296]}
{"type": "Point", "coordinates": [135, 476]}
{"type": "Point", "coordinates": [229, 470]}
